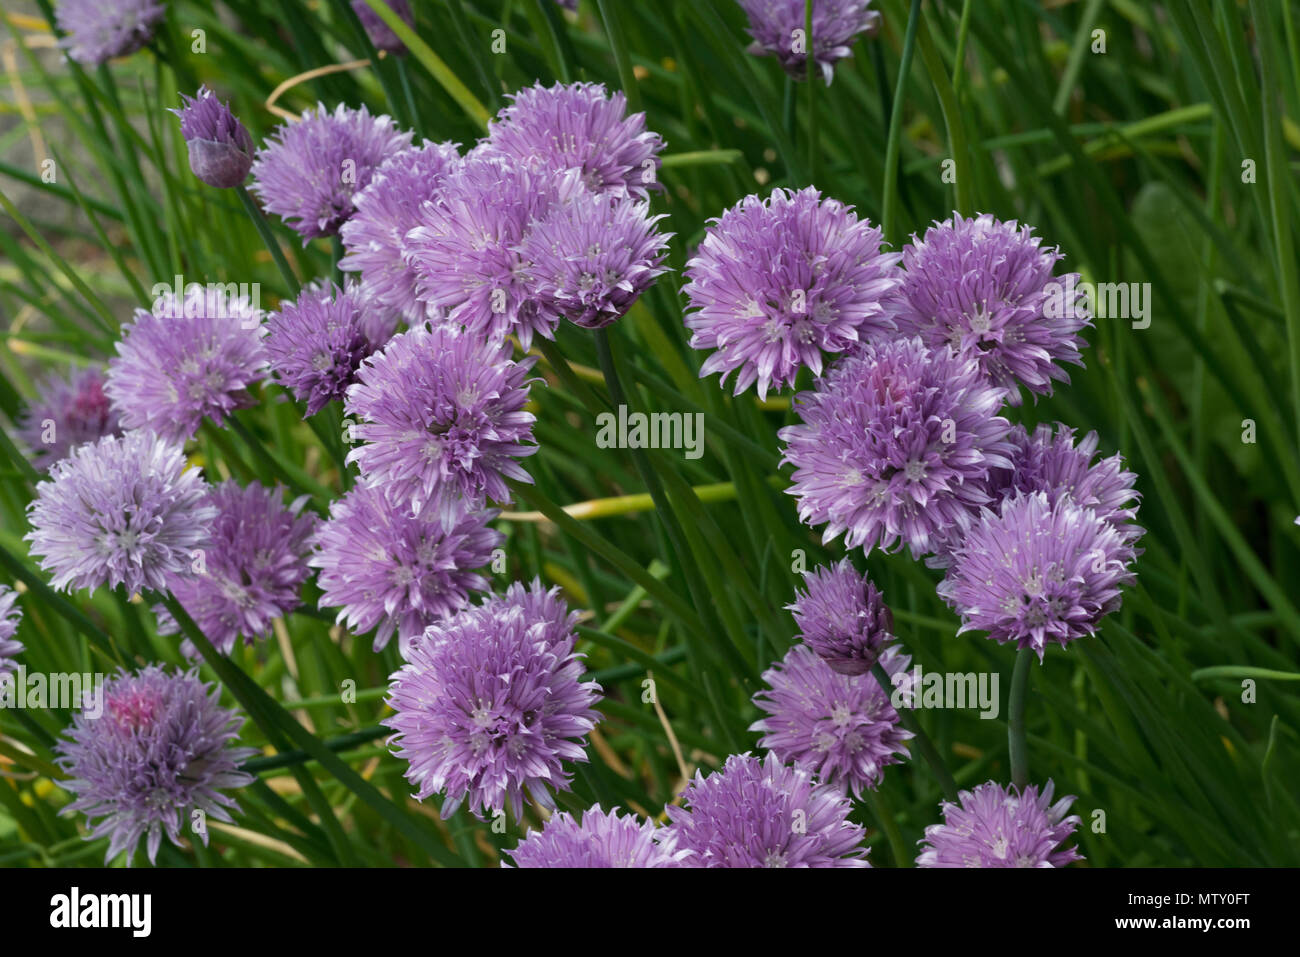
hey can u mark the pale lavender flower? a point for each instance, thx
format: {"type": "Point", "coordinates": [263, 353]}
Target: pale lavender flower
{"type": "Point", "coordinates": [311, 169]}
{"type": "Point", "coordinates": [10, 616]}
{"type": "Point", "coordinates": [69, 409]}
{"type": "Point", "coordinates": [441, 417]}
{"type": "Point", "coordinates": [385, 568]}
{"type": "Point", "coordinates": [120, 511]}
{"type": "Point", "coordinates": [160, 749]}
{"type": "Point", "coordinates": [1037, 572]}
{"type": "Point", "coordinates": [781, 283]}
{"type": "Point", "coordinates": [579, 127]}
{"type": "Point", "coordinates": [600, 840]}
{"type": "Point", "coordinates": [386, 210]}
{"type": "Point", "coordinates": [986, 289]}
{"type": "Point", "coordinates": [186, 359]}
{"type": "Point", "coordinates": [99, 30]}
{"type": "Point", "coordinates": [843, 618]}
{"type": "Point", "coordinates": [490, 705]}
{"type": "Point", "coordinates": [221, 151]}
{"type": "Point", "coordinates": [756, 813]}
{"type": "Point", "coordinates": [895, 446]}
{"type": "Point", "coordinates": [251, 570]}
{"type": "Point", "coordinates": [380, 33]}
{"type": "Point", "coordinates": [993, 826]}
{"type": "Point", "coordinates": [778, 28]}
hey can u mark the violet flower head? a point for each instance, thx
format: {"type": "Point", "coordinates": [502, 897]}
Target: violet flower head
{"type": "Point", "coordinates": [69, 410]}
{"type": "Point", "coordinates": [1038, 572]}
{"type": "Point", "coordinates": [385, 568]}
{"type": "Point", "coordinates": [986, 288]}
{"type": "Point", "coordinates": [489, 706]}
{"type": "Point", "coordinates": [310, 170]}
{"type": "Point", "coordinates": [593, 257]}
{"type": "Point", "coordinates": [895, 446]}
{"type": "Point", "coordinates": [124, 510]}
{"type": "Point", "coordinates": [841, 728]}
{"type": "Point", "coordinates": [252, 568]}
{"type": "Point", "coordinates": [186, 359]}
{"type": "Point", "coordinates": [761, 813]}
{"type": "Point", "coordinates": [778, 284]}
{"type": "Point", "coordinates": [843, 618]}
{"type": "Point", "coordinates": [380, 33]}
{"type": "Point", "coordinates": [583, 128]}
{"type": "Point", "coordinates": [99, 30]}
{"type": "Point", "coordinates": [10, 616]}
{"type": "Point", "coordinates": [386, 210]}
{"type": "Point", "coordinates": [316, 343]}
{"type": "Point", "coordinates": [779, 29]}
{"type": "Point", "coordinates": [221, 151]}
{"type": "Point", "coordinates": [600, 840]}
{"type": "Point", "coordinates": [993, 826]}
{"type": "Point", "coordinates": [145, 752]}
{"type": "Point", "coordinates": [441, 417]}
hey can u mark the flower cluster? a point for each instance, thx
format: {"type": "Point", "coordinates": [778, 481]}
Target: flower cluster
{"type": "Point", "coordinates": [993, 826]}
{"type": "Point", "coordinates": [779, 29]}
{"type": "Point", "coordinates": [221, 151]}
{"type": "Point", "coordinates": [96, 31]}
{"type": "Point", "coordinates": [10, 616]}
{"type": "Point", "coordinates": [69, 410]}
{"type": "Point", "coordinates": [843, 618]}
{"type": "Point", "coordinates": [599, 840]}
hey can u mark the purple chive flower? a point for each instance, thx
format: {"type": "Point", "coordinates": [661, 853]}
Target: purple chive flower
{"type": "Point", "coordinates": [777, 283]}
{"type": "Point", "coordinates": [995, 826]}
{"type": "Point", "coordinates": [841, 728]}
{"type": "Point", "coordinates": [149, 750]}
{"type": "Point", "coordinates": [251, 569]}
{"type": "Point", "coordinates": [221, 151]}
{"type": "Point", "coordinates": [1038, 572]}
{"type": "Point", "coordinates": [756, 813]}
{"type": "Point", "coordinates": [386, 210]}
{"type": "Point", "coordinates": [385, 568]}
{"type": "Point", "coordinates": [380, 33]}
{"type": "Point", "coordinates": [69, 410]}
{"type": "Point", "coordinates": [10, 615]}
{"type": "Point", "coordinates": [310, 170]}
{"type": "Point", "coordinates": [316, 343]}
{"type": "Point", "coordinates": [778, 26]}
{"type": "Point", "coordinates": [600, 840]}
{"type": "Point", "coordinates": [99, 30]}
{"type": "Point", "coordinates": [490, 704]}
{"type": "Point", "coordinates": [895, 446]}
{"type": "Point", "coordinates": [441, 415]}
{"type": "Point", "coordinates": [579, 127]}
{"type": "Point", "coordinates": [186, 360]}
{"type": "Point", "coordinates": [593, 257]}
{"type": "Point", "coordinates": [843, 618]}
{"type": "Point", "coordinates": [120, 511]}
{"type": "Point", "coordinates": [986, 288]}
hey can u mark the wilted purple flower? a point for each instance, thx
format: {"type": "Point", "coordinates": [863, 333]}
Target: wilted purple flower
{"type": "Point", "coordinates": [309, 171]}
{"type": "Point", "coordinates": [124, 510]}
{"type": "Point", "coordinates": [221, 151]}
{"type": "Point", "coordinates": [841, 728]}
{"type": "Point", "coordinates": [995, 826]}
{"type": "Point", "coordinates": [317, 343]}
{"type": "Point", "coordinates": [490, 705]}
{"type": "Point", "coordinates": [601, 840]}
{"type": "Point", "coordinates": [441, 415]}
{"type": "Point", "coordinates": [156, 748]}
{"type": "Point", "coordinates": [579, 127]}
{"type": "Point", "coordinates": [895, 446]}
{"type": "Point", "coordinates": [778, 28]}
{"type": "Point", "coordinates": [383, 567]}
{"type": "Point", "coordinates": [10, 615]}
{"type": "Point", "coordinates": [69, 410]}
{"type": "Point", "coordinates": [186, 360]}
{"type": "Point", "coordinates": [251, 569]}
{"type": "Point", "coordinates": [986, 288]}
{"type": "Point", "coordinates": [1037, 572]}
{"type": "Point", "coordinates": [756, 813]}
{"type": "Point", "coordinates": [386, 210]}
{"type": "Point", "coordinates": [380, 33]}
{"type": "Point", "coordinates": [843, 618]}
{"type": "Point", "coordinates": [778, 282]}
{"type": "Point", "coordinates": [99, 30]}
